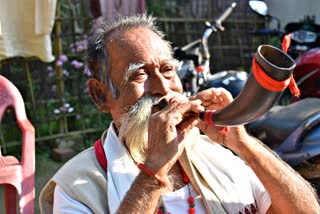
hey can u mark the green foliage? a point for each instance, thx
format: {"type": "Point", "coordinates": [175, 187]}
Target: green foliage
{"type": "Point", "coordinates": [274, 41]}
{"type": "Point", "coordinates": [154, 7]}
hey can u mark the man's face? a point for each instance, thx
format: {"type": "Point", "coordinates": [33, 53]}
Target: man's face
{"type": "Point", "coordinates": [141, 64]}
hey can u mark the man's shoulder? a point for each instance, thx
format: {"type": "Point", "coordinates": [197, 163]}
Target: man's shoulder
{"type": "Point", "coordinates": [82, 164]}
{"type": "Point", "coordinates": [82, 169]}
{"type": "Point", "coordinates": [75, 178]}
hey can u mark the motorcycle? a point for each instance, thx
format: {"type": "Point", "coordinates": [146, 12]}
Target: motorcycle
{"type": "Point", "coordinates": [194, 58]}
{"type": "Point", "coordinates": [293, 130]}
{"type": "Point", "coordinates": [304, 48]}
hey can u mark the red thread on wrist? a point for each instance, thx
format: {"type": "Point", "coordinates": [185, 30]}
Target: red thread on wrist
{"type": "Point", "coordinates": [224, 130]}
{"type": "Point", "coordinates": [151, 173]}
{"type": "Point", "coordinates": [209, 121]}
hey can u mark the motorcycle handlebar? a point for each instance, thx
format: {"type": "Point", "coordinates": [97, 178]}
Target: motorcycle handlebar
{"type": "Point", "coordinates": [211, 28]}
{"type": "Point", "coordinates": [218, 22]}
{"type": "Point", "coordinates": [224, 15]}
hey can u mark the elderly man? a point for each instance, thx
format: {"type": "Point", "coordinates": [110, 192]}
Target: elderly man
{"type": "Point", "coordinates": [157, 162]}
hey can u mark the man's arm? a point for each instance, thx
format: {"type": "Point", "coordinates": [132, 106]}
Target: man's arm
{"type": "Point", "coordinates": [143, 196]}
{"type": "Point", "coordinates": [289, 192]}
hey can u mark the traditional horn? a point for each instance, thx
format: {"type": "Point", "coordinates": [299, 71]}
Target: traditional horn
{"type": "Point", "coordinates": [255, 98]}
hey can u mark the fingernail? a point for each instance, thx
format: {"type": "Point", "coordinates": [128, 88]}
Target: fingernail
{"type": "Point", "coordinates": [171, 99]}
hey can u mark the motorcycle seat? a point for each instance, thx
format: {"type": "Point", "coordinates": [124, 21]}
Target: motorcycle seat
{"type": "Point", "coordinates": [280, 121]}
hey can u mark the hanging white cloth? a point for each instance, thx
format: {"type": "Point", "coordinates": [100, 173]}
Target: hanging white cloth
{"type": "Point", "coordinates": [25, 28]}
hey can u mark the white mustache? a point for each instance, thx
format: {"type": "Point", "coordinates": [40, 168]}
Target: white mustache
{"type": "Point", "coordinates": [134, 124]}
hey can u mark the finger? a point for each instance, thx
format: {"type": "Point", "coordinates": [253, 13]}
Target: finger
{"type": "Point", "coordinates": [204, 95]}
{"type": "Point", "coordinates": [225, 95]}
{"type": "Point", "coordinates": [211, 93]}
{"type": "Point", "coordinates": [187, 123]}
{"type": "Point", "coordinates": [214, 98]}
{"type": "Point", "coordinates": [184, 127]}
{"type": "Point", "coordinates": [182, 108]}
{"type": "Point", "coordinates": [187, 112]}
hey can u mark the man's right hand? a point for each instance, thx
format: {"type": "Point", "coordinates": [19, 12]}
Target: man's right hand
{"type": "Point", "coordinates": [166, 132]}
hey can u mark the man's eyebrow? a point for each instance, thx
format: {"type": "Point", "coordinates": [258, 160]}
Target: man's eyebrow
{"type": "Point", "coordinates": [132, 68]}
{"type": "Point", "coordinates": [176, 63]}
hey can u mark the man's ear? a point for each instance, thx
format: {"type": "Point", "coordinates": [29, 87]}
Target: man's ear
{"type": "Point", "coordinates": [100, 94]}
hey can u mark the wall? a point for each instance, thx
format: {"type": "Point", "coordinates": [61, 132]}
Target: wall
{"type": "Point", "coordinates": [293, 10]}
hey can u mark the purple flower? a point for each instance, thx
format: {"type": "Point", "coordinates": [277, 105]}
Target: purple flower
{"type": "Point", "coordinates": [87, 72]}
{"type": "Point", "coordinates": [71, 109]}
{"type": "Point", "coordinates": [76, 64]}
{"type": "Point", "coordinates": [65, 107]}
{"type": "Point", "coordinates": [65, 72]}
{"type": "Point", "coordinates": [80, 48]}
{"type": "Point", "coordinates": [49, 68]}
{"type": "Point", "coordinates": [63, 58]}
{"type": "Point", "coordinates": [59, 63]}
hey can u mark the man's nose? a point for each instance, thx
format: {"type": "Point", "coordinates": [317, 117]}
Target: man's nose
{"type": "Point", "coordinates": [158, 85]}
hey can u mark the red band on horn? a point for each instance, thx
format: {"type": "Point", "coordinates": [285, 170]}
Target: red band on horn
{"type": "Point", "coordinates": [274, 85]}
{"type": "Point", "coordinates": [265, 80]}
{"type": "Point", "coordinates": [208, 117]}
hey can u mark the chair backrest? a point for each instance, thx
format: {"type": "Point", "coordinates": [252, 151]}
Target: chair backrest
{"type": "Point", "coordinates": [10, 96]}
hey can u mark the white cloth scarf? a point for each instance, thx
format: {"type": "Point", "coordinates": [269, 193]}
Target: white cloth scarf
{"type": "Point", "coordinates": [119, 164]}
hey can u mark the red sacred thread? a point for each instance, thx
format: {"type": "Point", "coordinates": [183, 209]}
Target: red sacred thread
{"type": "Point", "coordinates": [292, 85]}
{"type": "Point", "coordinates": [186, 180]}
{"type": "Point", "coordinates": [209, 121]}
{"type": "Point", "coordinates": [190, 200]}
{"type": "Point", "coordinates": [151, 173]}
{"type": "Point", "coordinates": [286, 42]}
{"type": "Point", "coordinates": [224, 130]}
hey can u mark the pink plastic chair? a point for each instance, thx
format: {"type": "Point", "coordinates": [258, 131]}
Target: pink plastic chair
{"type": "Point", "coordinates": [15, 176]}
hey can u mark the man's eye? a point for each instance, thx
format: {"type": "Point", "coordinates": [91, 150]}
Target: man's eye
{"type": "Point", "coordinates": [138, 76]}
{"type": "Point", "coordinates": [168, 71]}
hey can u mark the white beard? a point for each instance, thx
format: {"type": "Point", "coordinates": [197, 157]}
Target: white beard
{"type": "Point", "coordinates": [134, 127]}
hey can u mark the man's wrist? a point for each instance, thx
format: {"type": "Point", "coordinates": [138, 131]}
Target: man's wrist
{"type": "Point", "coordinates": [237, 138]}
{"type": "Point", "coordinates": [163, 181]}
